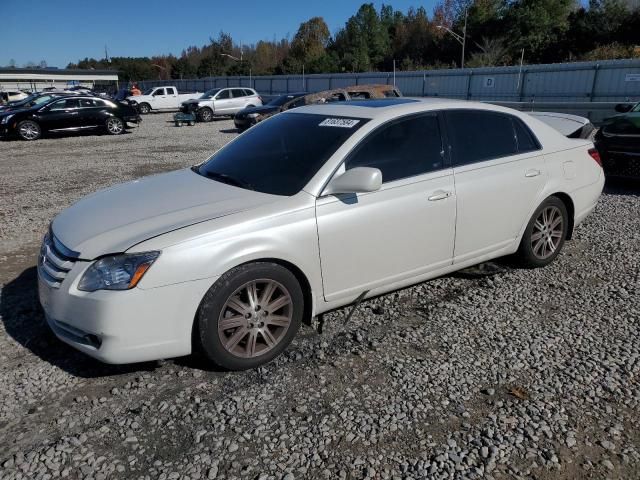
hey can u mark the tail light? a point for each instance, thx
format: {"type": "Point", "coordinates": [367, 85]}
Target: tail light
{"type": "Point", "coordinates": [596, 156]}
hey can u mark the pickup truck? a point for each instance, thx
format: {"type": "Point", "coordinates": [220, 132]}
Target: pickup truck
{"type": "Point", "coordinates": [161, 99]}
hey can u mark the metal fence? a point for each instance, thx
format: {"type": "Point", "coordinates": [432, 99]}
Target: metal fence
{"type": "Point", "coordinates": [584, 88]}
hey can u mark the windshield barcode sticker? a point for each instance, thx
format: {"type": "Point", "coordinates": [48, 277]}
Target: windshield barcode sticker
{"type": "Point", "coordinates": [339, 122]}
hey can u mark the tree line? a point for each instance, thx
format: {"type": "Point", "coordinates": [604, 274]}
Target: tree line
{"type": "Point", "coordinates": [498, 32]}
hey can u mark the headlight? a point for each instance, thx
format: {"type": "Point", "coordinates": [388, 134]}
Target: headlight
{"type": "Point", "coordinates": [117, 272]}
{"type": "Point", "coordinates": [6, 119]}
{"type": "Point", "coordinates": [253, 115]}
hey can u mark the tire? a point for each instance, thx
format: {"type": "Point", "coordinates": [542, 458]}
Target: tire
{"type": "Point", "coordinates": [114, 125]}
{"type": "Point", "coordinates": [29, 130]}
{"type": "Point", "coordinates": [205, 114]}
{"type": "Point", "coordinates": [144, 108]}
{"type": "Point", "coordinates": [192, 124]}
{"type": "Point", "coordinates": [545, 234]}
{"type": "Point", "coordinates": [250, 106]}
{"type": "Point", "coordinates": [250, 339]}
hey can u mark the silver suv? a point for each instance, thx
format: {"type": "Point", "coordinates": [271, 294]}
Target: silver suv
{"type": "Point", "coordinates": [222, 102]}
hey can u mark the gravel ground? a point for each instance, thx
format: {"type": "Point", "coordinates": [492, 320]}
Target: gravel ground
{"type": "Point", "coordinates": [495, 372]}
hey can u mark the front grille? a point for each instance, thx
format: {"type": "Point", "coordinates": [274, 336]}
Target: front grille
{"type": "Point", "coordinates": [55, 261]}
{"type": "Point", "coordinates": [621, 164]}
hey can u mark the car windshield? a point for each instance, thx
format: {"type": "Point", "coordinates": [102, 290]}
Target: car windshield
{"type": "Point", "coordinates": [210, 93]}
{"type": "Point", "coordinates": [280, 155]}
{"type": "Point", "coordinates": [42, 99]}
{"type": "Point", "coordinates": [281, 100]}
{"type": "Point", "coordinates": [148, 91]}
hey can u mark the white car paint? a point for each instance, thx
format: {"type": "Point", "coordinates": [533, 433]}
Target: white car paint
{"type": "Point", "coordinates": [409, 231]}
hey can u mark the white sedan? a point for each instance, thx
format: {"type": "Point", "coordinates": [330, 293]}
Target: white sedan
{"type": "Point", "coordinates": [306, 212]}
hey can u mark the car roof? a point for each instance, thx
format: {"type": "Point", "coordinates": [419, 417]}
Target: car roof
{"type": "Point", "coordinates": [390, 107]}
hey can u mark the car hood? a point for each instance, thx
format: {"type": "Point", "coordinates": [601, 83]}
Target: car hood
{"type": "Point", "coordinates": [117, 218]}
{"type": "Point", "coordinates": [260, 110]}
{"type": "Point", "coordinates": [12, 111]}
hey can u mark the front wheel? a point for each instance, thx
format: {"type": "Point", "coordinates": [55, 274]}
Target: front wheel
{"type": "Point", "coordinates": [144, 108]}
{"type": "Point", "coordinates": [115, 126]}
{"type": "Point", "coordinates": [29, 130]}
{"type": "Point", "coordinates": [545, 234]}
{"type": "Point", "coordinates": [250, 315]}
{"type": "Point", "coordinates": [205, 114]}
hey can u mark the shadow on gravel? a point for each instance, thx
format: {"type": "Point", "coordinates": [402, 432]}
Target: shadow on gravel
{"type": "Point", "coordinates": [622, 186]}
{"type": "Point", "coordinates": [86, 133]}
{"type": "Point", "coordinates": [230, 130]}
{"type": "Point", "coordinates": [24, 321]}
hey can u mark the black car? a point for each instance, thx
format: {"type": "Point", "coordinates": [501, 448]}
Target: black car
{"type": "Point", "coordinates": [249, 116]}
{"type": "Point", "coordinates": [618, 142]}
{"type": "Point", "coordinates": [68, 114]}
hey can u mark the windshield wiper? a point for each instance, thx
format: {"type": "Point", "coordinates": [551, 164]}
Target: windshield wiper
{"type": "Point", "coordinates": [224, 178]}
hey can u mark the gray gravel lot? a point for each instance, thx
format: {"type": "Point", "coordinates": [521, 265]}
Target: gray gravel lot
{"type": "Point", "coordinates": [496, 372]}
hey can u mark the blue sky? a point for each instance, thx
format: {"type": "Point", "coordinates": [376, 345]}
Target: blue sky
{"type": "Point", "coordinates": [62, 31]}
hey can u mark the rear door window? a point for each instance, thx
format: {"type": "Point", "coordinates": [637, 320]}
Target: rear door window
{"type": "Point", "coordinates": [403, 148]}
{"type": "Point", "coordinates": [238, 92]}
{"type": "Point", "coordinates": [478, 135]}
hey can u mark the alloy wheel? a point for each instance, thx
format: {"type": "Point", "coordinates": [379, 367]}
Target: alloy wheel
{"type": "Point", "coordinates": [547, 232]}
{"type": "Point", "coordinates": [29, 131]}
{"type": "Point", "coordinates": [206, 115]}
{"type": "Point", "coordinates": [115, 126]}
{"type": "Point", "coordinates": [255, 318]}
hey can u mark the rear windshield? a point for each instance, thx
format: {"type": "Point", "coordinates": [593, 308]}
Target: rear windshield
{"type": "Point", "coordinates": [282, 154]}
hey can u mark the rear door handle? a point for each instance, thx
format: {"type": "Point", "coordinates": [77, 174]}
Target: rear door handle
{"type": "Point", "coordinates": [532, 173]}
{"type": "Point", "coordinates": [439, 195]}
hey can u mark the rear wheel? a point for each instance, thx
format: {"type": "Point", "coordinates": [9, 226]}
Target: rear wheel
{"type": "Point", "coordinates": [115, 126]}
{"type": "Point", "coordinates": [29, 130]}
{"type": "Point", "coordinates": [545, 234]}
{"type": "Point", "coordinates": [250, 315]}
{"type": "Point", "coordinates": [144, 108]}
{"type": "Point", "coordinates": [205, 114]}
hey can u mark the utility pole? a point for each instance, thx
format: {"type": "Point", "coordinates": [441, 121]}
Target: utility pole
{"type": "Point", "coordinates": [394, 72]}
{"type": "Point", "coordinates": [464, 35]}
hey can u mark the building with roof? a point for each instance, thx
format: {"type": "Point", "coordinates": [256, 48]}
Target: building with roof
{"type": "Point", "coordinates": [37, 79]}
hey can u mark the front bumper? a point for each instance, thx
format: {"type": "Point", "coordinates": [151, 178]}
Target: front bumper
{"type": "Point", "coordinates": [122, 326]}
{"type": "Point", "coordinates": [621, 164]}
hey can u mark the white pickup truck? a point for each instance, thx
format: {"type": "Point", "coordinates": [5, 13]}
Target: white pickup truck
{"type": "Point", "coordinates": [161, 99]}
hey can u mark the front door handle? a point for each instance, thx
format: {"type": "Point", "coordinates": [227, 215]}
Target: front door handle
{"type": "Point", "coordinates": [532, 173]}
{"type": "Point", "coordinates": [439, 195]}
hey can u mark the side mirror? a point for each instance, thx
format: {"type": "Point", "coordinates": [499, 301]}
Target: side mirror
{"type": "Point", "coordinates": [356, 180]}
{"type": "Point", "coordinates": [623, 107]}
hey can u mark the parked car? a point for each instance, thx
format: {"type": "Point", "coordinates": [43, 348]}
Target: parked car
{"type": "Point", "coordinates": [222, 102]}
{"type": "Point", "coordinates": [618, 141]}
{"type": "Point", "coordinates": [311, 210]}
{"type": "Point", "coordinates": [357, 92]}
{"type": "Point", "coordinates": [250, 116]}
{"type": "Point", "coordinates": [160, 99]}
{"type": "Point", "coordinates": [12, 96]}
{"type": "Point", "coordinates": [68, 114]}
